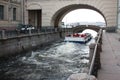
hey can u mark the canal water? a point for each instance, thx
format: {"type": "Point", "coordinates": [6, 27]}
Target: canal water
{"type": "Point", "coordinates": [54, 62]}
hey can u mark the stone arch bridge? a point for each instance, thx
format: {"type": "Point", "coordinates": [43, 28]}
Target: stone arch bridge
{"type": "Point", "coordinates": [51, 12]}
{"type": "Point", "coordinates": [83, 27]}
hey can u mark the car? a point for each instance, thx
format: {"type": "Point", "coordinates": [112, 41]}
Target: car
{"type": "Point", "coordinates": [29, 27]}
{"type": "Point", "coordinates": [25, 28]}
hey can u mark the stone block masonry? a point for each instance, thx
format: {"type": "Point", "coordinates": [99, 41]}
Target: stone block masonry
{"type": "Point", "coordinates": [21, 44]}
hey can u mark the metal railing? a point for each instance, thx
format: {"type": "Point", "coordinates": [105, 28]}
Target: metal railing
{"type": "Point", "coordinates": [4, 34]}
{"type": "Point", "coordinates": [94, 53]}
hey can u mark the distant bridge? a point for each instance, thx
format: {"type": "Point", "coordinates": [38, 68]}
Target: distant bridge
{"type": "Point", "coordinates": [83, 27]}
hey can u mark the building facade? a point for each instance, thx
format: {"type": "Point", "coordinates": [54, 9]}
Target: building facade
{"type": "Point", "coordinates": [118, 14]}
{"type": "Point", "coordinates": [10, 13]}
{"type": "Point", "coordinates": [51, 12]}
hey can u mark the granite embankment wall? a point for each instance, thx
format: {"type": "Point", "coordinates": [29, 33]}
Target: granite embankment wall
{"type": "Point", "coordinates": [19, 44]}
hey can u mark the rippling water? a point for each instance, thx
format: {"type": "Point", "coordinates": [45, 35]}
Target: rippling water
{"type": "Point", "coordinates": [55, 62]}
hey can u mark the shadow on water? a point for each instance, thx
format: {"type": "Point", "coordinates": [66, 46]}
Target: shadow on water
{"type": "Point", "coordinates": [55, 62]}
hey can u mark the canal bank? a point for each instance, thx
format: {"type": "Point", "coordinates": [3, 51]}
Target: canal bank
{"type": "Point", "coordinates": [54, 62]}
{"type": "Point", "coordinates": [53, 54]}
{"type": "Point", "coordinates": [23, 43]}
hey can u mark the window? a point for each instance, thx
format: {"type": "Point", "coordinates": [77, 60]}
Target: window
{"type": "Point", "coordinates": [1, 12]}
{"type": "Point", "coordinates": [14, 14]}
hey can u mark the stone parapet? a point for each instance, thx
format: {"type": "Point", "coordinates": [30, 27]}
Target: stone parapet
{"type": "Point", "coordinates": [111, 29]}
{"type": "Point", "coordinates": [81, 76]}
{"type": "Point", "coordinates": [23, 43]}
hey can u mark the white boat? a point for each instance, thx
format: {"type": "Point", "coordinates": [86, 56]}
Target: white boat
{"type": "Point", "coordinates": [78, 37]}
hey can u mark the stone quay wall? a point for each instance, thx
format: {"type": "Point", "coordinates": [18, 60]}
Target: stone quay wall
{"type": "Point", "coordinates": [24, 43]}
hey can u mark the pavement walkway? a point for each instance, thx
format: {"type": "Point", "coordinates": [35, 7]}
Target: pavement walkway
{"type": "Point", "coordinates": [110, 57]}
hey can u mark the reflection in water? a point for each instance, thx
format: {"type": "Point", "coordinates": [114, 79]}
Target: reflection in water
{"type": "Point", "coordinates": [55, 62]}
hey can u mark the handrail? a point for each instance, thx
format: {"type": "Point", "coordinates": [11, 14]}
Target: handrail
{"type": "Point", "coordinates": [5, 34]}
{"type": "Point", "coordinates": [94, 54]}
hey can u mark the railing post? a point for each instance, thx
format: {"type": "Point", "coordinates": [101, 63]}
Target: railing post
{"type": "Point", "coordinates": [45, 30]}
{"type": "Point", "coordinates": [56, 29]}
{"type": "Point", "coordinates": [29, 31]}
{"type": "Point", "coordinates": [38, 30]}
{"type": "Point", "coordinates": [91, 47]}
{"type": "Point", "coordinates": [52, 30]}
{"type": "Point", "coordinates": [99, 49]}
{"type": "Point", "coordinates": [3, 34]}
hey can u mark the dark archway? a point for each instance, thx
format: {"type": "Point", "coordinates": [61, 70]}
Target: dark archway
{"type": "Point", "coordinates": [35, 18]}
{"type": "Point", "coordinates": [58, 16]}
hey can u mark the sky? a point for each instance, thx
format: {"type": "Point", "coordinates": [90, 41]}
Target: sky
{"type": "Point", "coordinates": [83, 15]}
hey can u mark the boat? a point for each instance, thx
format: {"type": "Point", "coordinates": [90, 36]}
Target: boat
{"type": "Point", "coordinates": [78, 37]}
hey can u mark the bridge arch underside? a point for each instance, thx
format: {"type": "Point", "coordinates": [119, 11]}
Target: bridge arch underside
{"type": "Point", "coordinates": [59, 15]}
